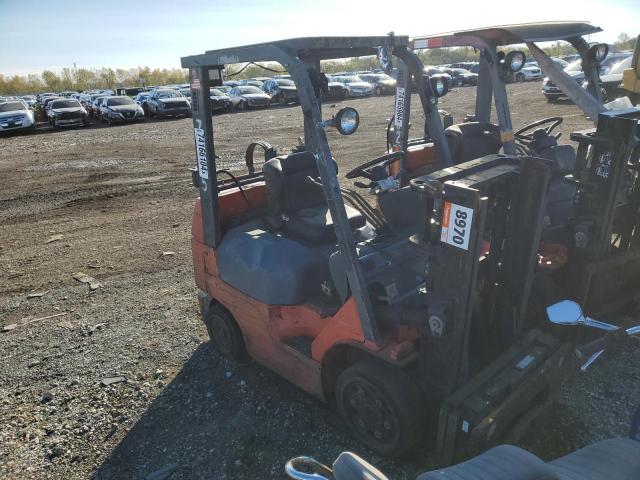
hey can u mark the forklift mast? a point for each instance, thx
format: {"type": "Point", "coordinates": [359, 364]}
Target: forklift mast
{"type": "Point", "coordinates": [606, 228]}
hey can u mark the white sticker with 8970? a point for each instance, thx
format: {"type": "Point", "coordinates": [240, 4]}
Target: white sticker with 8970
{"type": "Point", "coordinates": [456, 225]}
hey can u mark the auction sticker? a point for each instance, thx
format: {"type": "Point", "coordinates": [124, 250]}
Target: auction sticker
{"type": "Point", "coordinates": [456, 225]}
{"type": "Point", "coordinates": [201, 151]}
{"type": "Point", "coordinates": [399, 116]}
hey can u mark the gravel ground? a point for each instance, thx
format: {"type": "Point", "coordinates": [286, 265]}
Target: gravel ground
{"type": "Point", "coordinates": [119, 382]}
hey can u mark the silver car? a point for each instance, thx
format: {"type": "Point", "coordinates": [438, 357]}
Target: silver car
{"type": "Point", "coordinates": [248, 96]}
{"type": "Point", "coordinates": [355, 86]}
{"type": "Point", "coordinates": [15, 115]}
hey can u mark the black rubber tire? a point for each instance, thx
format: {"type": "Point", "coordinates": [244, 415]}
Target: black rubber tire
{"type": "Point", "coordinates": [224, 333]}
{"type": "Point", "coordinates": [519, 77]}
{"type": "Point", "coordinates": [393, 393]}
{"type": "Point", "coordinates": [242, 106]}
{"type": "Point", "coordinates": [282, 101]}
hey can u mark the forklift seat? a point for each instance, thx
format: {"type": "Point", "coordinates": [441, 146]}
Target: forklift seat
{"type": "Point", "coordinates": [615, 458]}
{"type": "Point", "coordinates": [471, 140]}
{"type": "Point", "coordinates": [299, 208]}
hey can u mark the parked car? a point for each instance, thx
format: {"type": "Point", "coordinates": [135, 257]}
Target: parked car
{"type": "Point", "coordinates": [165, 102]}
{"type": "Point", "coordinates": [473, 67]}
{"type": "Point", "coordinates": [65, 112]}
{"type": "Point", "coordinates": [552, 92]}
{"type": "Point", "coordinates": [85, 101]}
{"type": "Point", "coordinates": [382, 83]}
{"type": "Point", "coordinates": [16, 115]}
{"type": "Point", "coordinates": [247, 96]}
{"type": "Point", "coordinates": [463, 77]}
{"type": "Point", "coordinates": [141, 97]}
{"type": "Point", "coordinates": [335, 90]}
{"type": "Point", "coordinates": [610, 82]}
{"type": "Point", "coordinates": [252, 81]}
{"type": "Point", "coordinates": [226, 89]}
{"type": "Point", "coordinates": [281, 90]}
{"type": "Point", "coordinates": [94, 107]}
{"type": "Point", "coordinates": [355, 86]}
{"type": "Point", "coordinates": [30, 100]}
{"type": "Point", "coordinates": [220, 101]}
{"type": "Point", "coordinates": [121, 109]}
{"type": "Point", "coordinates": [530, 71]}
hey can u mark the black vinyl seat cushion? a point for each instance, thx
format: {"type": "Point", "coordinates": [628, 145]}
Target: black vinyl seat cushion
{"type": "Point", "coordinates": [296, 207]}
{"type": "Point", "coordinates": [471, 140]}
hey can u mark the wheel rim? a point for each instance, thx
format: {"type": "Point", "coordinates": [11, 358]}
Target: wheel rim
{"type": "Point", "coordinates": [221, 335]}
{"type": "Point", "coordinates": [369, 413]}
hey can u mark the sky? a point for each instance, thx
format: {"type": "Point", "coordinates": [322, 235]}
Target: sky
{"type": "Point", "coordinates": [52, 34]}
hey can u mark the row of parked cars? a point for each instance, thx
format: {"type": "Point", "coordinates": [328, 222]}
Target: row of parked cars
{"type": "Point", "coordinates": [611, 69]}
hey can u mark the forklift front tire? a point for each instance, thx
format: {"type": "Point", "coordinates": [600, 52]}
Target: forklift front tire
{"type": "Point", "coordinates": [382, 406]}
{"type": "Point", "coordinates": [224, 333]}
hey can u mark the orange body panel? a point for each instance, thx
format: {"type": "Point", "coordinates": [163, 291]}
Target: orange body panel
{"type": "Point", "coordinates": [232, 203]}
{"type": "Point", "coordinates": [266, 328]}
{"type": "Point", "coordinates": [416, 159]}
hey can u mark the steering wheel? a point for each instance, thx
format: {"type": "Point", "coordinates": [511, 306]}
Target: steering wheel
{"type": "Point", "coordinates": [555, 122]}
{"type": "Point", "coordinates": [382, 161]}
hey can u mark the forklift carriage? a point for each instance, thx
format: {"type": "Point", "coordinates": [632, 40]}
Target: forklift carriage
{"type": "Point", "coordinates": [411, 316]}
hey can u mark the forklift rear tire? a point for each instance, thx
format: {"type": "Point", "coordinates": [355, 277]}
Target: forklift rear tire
{"type": "Point", "coordinates": [382, 406]}
{"type": "Point", "coordinates": [224, 333]}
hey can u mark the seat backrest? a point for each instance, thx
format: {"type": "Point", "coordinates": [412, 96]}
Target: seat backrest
{"type": "Point", "coordinates": [471, 140]}
{"type": "Point", "coordinates": [287, 188]}
{"type": "Point", "coordinates": [504, 462]}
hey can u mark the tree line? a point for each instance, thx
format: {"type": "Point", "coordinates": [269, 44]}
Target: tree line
{"type": "Point", "coordinates": [72, 79]}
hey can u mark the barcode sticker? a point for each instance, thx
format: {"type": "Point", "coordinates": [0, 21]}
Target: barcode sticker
{"type": "Point", "coordinates": [456, 225]}
{"type": "Point", "coordinates": [201, 152]}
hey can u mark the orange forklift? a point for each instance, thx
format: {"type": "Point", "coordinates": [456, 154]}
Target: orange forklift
{"type": "Point", "coordinates": [409, 316]}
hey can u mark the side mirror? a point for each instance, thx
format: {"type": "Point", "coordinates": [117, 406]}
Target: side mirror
{"type": "Point", "coordinates": [565, 312]}
{"type": "Point", "coordinates": [598, 52]}
{"type": "Point", "coordinates": [514, 61]}
{"type": "Point", "coordinates": [346, 121]}
{"type": "Point", "coordinates": [439, 85]}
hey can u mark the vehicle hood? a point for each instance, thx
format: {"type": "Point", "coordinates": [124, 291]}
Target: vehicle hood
{"type": "Point", "coordinates": [173, 100]}
{"type": "Point", "coordinates": [14, 113]}
{"type": "Point", "coordinates": [260, 96]}
{"type": "Point", "coordinates": [335, 84]}
{"type": "Point", "coordinates": [387, 82]}
{"type": "Point", "coordinates": [125, 108]}
{"type": "Point", "coordinates": [531, 69]}
{"type": "Point", "coordinates": [219, 97]}
{"type": "Point", "coordinates": [68, 110]}
{"type": "Point", "coordinates": [288, 88]}
{"type": "Point", "coordinates": [611, 78]}
{"type": "Point", "coordinates": [359, 85]}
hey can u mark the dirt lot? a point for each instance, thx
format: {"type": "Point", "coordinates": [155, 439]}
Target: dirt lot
{"type": "Point", "coordinates": [115, 204]}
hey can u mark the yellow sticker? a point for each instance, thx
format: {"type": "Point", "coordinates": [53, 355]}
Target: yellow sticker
{"type": "Point", "coordinates": [506, 136]}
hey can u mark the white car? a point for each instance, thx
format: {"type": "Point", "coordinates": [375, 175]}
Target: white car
{"type": "Point", "coordinates": [355, 86]}
{"type": "Point", "coordinates": [15, 115]}
{"type": "Point", "coordinates": [530, 71]}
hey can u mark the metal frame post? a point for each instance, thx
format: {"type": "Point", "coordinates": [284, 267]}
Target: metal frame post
{"type": "Point", "coordinates": [318, 145]}
{"type": "Point", "coordinates": [205, 154]}
{"type": "Point", "coordinates": [483, 92]}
